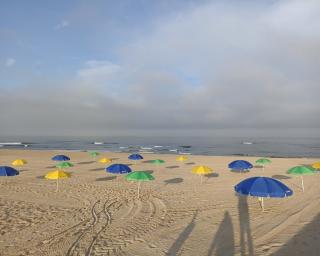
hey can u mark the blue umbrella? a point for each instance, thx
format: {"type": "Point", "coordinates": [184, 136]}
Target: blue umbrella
{"type": "Point", "coordinates": [263, 187]}
{"type": "Point", "coordinates": [135, 157]}
{"type": "Point", "coordinates": [240, 165]}
{"type": "Point", "coordinates": [118, 168]}
{"type": "Point", "coordinates": [60, 158]}
{"type": "Point", "coordinates": [8, 171]}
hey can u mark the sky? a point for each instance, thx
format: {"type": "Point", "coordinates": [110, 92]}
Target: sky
{"type": "Point", "coordinates": [164, 67]}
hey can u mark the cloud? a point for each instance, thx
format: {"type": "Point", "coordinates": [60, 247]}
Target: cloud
{"type": "Point", "coordinates": [62, 24]}
{"type": "Point", "coordinates": [97, 70]}
{"type": "Point", "coordinates": [10, 62]}
{"type": "Point", "coordinates": [256, 67]}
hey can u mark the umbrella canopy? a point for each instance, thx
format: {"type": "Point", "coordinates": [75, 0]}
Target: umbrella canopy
{"type": "Point", "coordinates": [135, 157]}
{"type": "Point", "coordinates": [8, 171]}
{"type": "Point", "coordinates": [263, 161]}
{"type": "Point", "coordinates": [316, 165]}
{"type": "Point", "coordinates": [118, 168]}
{"type": "Point", "coordinates": [58, 174]}
{"type": "Point", "coordinates": [64, 165]}
{"type": "Point", "coordinates": [262, 187]}
{"type": "Point", "coordinates": [181, 158]}
{"type": "Point", "coordinates": [157, 161]}
{"type": "Point", "coordinates": [300, 170]}
{"type": "Point", "coordinates": [240, 165]}
{"type": "Point", "coordinates": [19, 162]}
{"type": "Point", "coordinates": [60, 158]}
{"type": "Point", "coordinates": [94, 154]}
{"type": "Point", "coordinates": [105, 160]}
{"type": "Point", "coordinates": [202, 170]}
{"type": "Point", "coordinates": [139, 176]}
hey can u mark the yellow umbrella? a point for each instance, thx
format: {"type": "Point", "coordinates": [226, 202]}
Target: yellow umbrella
{"type": "Point", "coordinates": [56, 175]}
{"type": "Point", "coordinates": [316, 165]}
{"type": "Point", "coordinates": [19, 162]}
{"type": "Point", "coordinates": [105, 160]}
{"type": "Point", "coordinates": [181, 158]}
{"type": "Point", "coordinates": [201, 170]}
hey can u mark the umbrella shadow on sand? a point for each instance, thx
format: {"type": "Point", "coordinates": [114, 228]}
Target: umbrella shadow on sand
{"type": "Point", "coordinates": [97, 169]}
{"type": "Point", "coordinates": [190, 163]}
{"type": "Point", "coordinates": [149, 171]}
{"type": "Point", "coordinates": [172, 167]}
{"type": "Point", "coordinates": [281, 177]}
{"type": "Point", "coordinates": [147, 162]}
{"type": "Point", "coordinates": [51, 167]}
{"type": "Point", "coordinates": [211, 175]}
{"type": "Point", "coordinates": [223, 242]}
{"type": "Point", "coordinates": [258, 166]}
{"type": "Point", "coordinates": [88, 162]}
{"type": "Point", "coordinates": [173, 181]}
{"type": "Point", "coordinates": [106, 178]}
{"type": "Point", "coordinates": [175, 248]}
{"type": "Point", "coordinates": [40, 177]}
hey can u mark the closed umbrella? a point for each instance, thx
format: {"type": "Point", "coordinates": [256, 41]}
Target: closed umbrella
{"type": "Point", "coordinates": [301, 170]}
{"type": "Point", "coordinates": [56, 175]}
{"type": "Point", "coordinates": [139, 176]}
{"type": "Point", "coordinates": [263, 187]}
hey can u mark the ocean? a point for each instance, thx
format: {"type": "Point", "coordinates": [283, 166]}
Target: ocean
{"type": "Point", "coordinates": [194, 145]}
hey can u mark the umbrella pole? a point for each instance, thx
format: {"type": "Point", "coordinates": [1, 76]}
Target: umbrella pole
{"type": "Point", "coordinates": [57, 189]}
{"type": "Point", "coordinates": [302, 183]}
{"type": "Point", "coordinates": [201, 179]}
{"type": "Point", "coordinates": [261, 203]}
{"type": "Point", "coordinates": [139, 188]}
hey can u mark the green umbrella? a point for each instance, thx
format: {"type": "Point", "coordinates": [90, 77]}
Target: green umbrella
{"type": "Point", "coordinates": [157, 162]}
{"type": "Point", "coordinates": [94, 154]}
{"type": "Point", "coordinates": [63, 165]}
{"type": "Point", "coordinates": [263, 162]}
{"type": "Point", "coordinates": [301, 170]}
{"type": "Point", "coordinates": [139, 176]}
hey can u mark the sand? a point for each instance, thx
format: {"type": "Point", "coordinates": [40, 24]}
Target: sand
{"type": "Point", "coordinates": [98, 213]}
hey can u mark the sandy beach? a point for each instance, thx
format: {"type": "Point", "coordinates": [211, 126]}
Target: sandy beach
{"type": "Point", "coordinates": [98, 213]}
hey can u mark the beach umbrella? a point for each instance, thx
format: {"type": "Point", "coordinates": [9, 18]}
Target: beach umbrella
{"type": "Point", "coordinates": [157, 162]}
{"type": "Point", "coordinates": [105, 160]}
{"type": "Point", "coordinates": [63, 165]}
{"type": "Point", "coordinates": [262, 187]}
{"type": "Point", "coordinates": [135, 157]}
{"type": "Point", "coordinates": [19, 162]}
{"type": "Point", "coordinates": [8, 171]}
{"type": "Point", "coordinates": [240, 165]}
{"type": "Point", "coordinates": [60, 158]}
{"type": "Point", "coordinates": [139, 176]}
{"type": "Point", "coordinates": [201, 170]}
{"type": "Point", "coordinates": [118, 169]}
{"type": "Point", "coordinates": [94, 154]}
{"type": "Point", "coordinates": [56, 175]}
{"type": "Point", "coordinates": [301, 170]}
{"type": "Point", "coordinates": [263, 162]}
{"type": "Point", "coordinates": [316, 166]}
{"type": "Point", "coordinates": [181, 158]}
